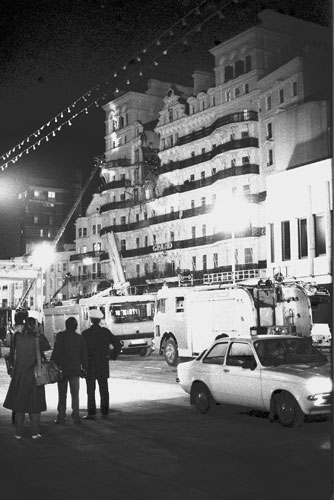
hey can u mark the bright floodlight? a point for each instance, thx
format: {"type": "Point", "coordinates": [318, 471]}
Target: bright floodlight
{"type": "Point", "coordinates": [43, 255]}
{"type": "Point", "coordinates": [233, 214]}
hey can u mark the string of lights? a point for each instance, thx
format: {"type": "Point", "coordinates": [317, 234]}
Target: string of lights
{"type": "Point", "coordinates": [153, 53]}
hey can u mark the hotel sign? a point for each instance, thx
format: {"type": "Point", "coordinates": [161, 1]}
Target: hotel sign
{"type": "Point", "coordinates": [162, 246]}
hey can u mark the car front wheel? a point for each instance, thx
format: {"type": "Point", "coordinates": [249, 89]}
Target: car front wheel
{"type": "Point", "coordinates": [202, 398]}
{"type": "Point", "coordinates": [288, 410]}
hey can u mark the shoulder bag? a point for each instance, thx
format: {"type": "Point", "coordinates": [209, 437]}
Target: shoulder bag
{"type": "Point", "coordinates": [46, 372]}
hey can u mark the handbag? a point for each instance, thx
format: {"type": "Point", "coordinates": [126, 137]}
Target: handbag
{"type": "Point", "coordinates": [46, 372]}
{"type": "Point", "coordinates": [9, 364]}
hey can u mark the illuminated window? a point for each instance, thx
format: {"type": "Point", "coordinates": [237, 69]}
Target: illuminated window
{"type": "Point", "coordinates": [35, 219]}
{"type": "Point", "coordinates": [36, 193]}
{"type": "Point", "coordinates": [51, 194]}
{"type": "Point", "coordinates": [41, 233]}
{"type": "Point", "coordinates": [285, 234]}
{"type": "Point", "coordinates": [302, 238]}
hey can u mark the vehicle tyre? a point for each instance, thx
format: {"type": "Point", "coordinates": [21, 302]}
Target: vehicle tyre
{"type": "Point", "coordinates": [202, 398]}
{"type": "Point", "coordinates": [145, 351]}
{"type": "Point", "coordinates": [171, 353]}
{"type": "Point", "coordinates": [288, 410]}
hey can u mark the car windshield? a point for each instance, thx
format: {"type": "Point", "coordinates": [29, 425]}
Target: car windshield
{"type": "Point", "coordinates": [273, 352]}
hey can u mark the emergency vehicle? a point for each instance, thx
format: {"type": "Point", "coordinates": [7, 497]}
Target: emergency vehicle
{"type": "Point", "coordinates": [188, 319]}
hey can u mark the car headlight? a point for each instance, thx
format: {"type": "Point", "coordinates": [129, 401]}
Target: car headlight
{"type": "Point", "coordinates": [319, 385]}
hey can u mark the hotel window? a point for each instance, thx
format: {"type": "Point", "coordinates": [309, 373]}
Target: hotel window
{"type": "Point", "coordinates": [137, 175]}
{"type": "Point", "coordinates": [294, 89]}
{"type": "Point", "coordinates": [137, 242]}
{"type": "Point", "coordinates": [193, 263]}
{"type": "Point", "coordinates": [154, 239]}
{"type": "Point", "coordinates": [228, 73]}
{"type": "Point", "coordinates": [94, 269]}
{"type": "Point", "coordinates": [123, 220]}
{"type": "Point", "coordinates": [146, 241]}
{"type": "Point", "coordinates": [269, 131]}
{"type": "Point", "coordinates": [244, 134]}
{"type": "Point", "coordinates": [51, 194]}
{"type": "Point", "coordinates": [215, 260]}
{"type": "Point", "coordinates": [35, 219]}
{"type": "Point", "coordinates": [272, 242]}
{"type": "Point", "coordinates": [320, 234]}
{"type": "Point", "coordinates": [122, 198]}
{"type": "Point", "coordinates": [246, 88]}
{"type": "Point", "coordinates": [147, 270]}
{"type": "Point", "coordinates": [281, 96]}
{"type": "Point", "coordinates": [203, 201]}
{"type": "Point", "coordinates": [171, 210]}
{"type": "Point", "coordinates": [79, 232]}
{"type": "Point", "coordinates": [192, 177]}
{"type": "Point", "coordinates": [64, 266]}
{"type": "Point", "coordinates": [248, 63]}
{"type": "Point", "coordinates": [41, 233]}
{"type": "Point", "coordinates": [193, 232]}
{"type": "Point", "coordinates": [137, 270]}
{"type": "Point", "coordinates": [98, 228]}
{"type": "Point", "coordinates": [192, 204]}
{"type": "Point", "coordinates": [302, 238]}
{"type": "Point", "coordinates": [94, 229]}
{"type": "Point", "coordinates": [203, 151]}
{"type": "Point", "coordinates": [145, 215]}
{"type": "Point", "coordinates": [237, 92]}
{"type": "Point", "coordinates": [270, 160]}
{"type": "Point", "coordinates": [248, 256]}
{"type": "Point", "coordinates": [233, 162]}
{"type": "Point", "coordinates": [123, 245]}
{"type": "Point", "coordinates": [204, 230]}
{"type": "Point", "coordinates": [213, 171]}
{"type": "Point", "coordinates": [137, 217]}
{"type": "Point", "coordinates": [36, 194]}
{"type": "Point", "coordinates": [245, 159]}
{"type": "Point", "coordinates": [268, 102]}
{"type": "Point", "coordinates": [227, 96]}
{"type": "Point", "coordinates": [193, 153]}
{"type": "Point", "coordinates": [203, 175]}
{"type": "Point", "coordinates": [205, 263]}
{"type": "Point", "coordinates": [84, 231]}
{"type": "Point", "coordinates": [49, 234]}
{"type": "Point", "coordinates": [239, 68]}
{"type": "Point", "coordinates": [171, 236]}
{"type": "Point", "coordinates": [246, 189]}
{"type": "Point", "coordinates": [285, 234]}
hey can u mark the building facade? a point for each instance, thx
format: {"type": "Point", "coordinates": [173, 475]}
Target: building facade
{"type": "Point", "coordinates": [189, 185]}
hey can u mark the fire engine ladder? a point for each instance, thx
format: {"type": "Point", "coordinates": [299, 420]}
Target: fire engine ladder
{"type": "Point", "coordinates": [98, 164]}
{"type": "Point", "coordinates": [115, 262]}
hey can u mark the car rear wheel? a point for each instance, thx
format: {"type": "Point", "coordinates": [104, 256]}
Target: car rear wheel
{"type": "Point", "coordinates": [170, 352]}
{"type": "Point", "coordinates": [202, 398]}
{"type": "Point", "coordinates": [288, 410]}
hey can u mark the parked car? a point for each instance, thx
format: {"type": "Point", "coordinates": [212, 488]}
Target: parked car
{"type": "Point", "coordinates": [283, 375]}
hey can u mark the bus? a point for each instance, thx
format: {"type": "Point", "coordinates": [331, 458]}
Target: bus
{"type": "Point", "coordinates": [129, 317]}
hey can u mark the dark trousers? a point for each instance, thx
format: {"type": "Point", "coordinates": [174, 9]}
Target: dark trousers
{"type": "Point", "coordinates": [74, 383]}
{"type": "Point", "coordinates": [104, 395]}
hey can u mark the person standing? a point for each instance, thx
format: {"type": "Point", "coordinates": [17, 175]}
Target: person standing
{"type": "Point", "coordinates": [24, 395]}
{"type": "Point", "coordinates": [70, 354]}
{"type": "Point", "coordinates": [98, 341]}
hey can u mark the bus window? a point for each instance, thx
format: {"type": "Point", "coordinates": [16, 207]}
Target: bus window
{"type": "Point", "coordinates": [130, 313]}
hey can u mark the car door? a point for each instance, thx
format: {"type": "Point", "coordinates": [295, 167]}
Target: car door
{"type": "Point", "coordinates": [241, 385]}
{"type": "Point", "coordinates": [212, 369]}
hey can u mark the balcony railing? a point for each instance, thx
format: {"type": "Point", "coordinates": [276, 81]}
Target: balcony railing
{"type": "Point", "coordinates": [224, 120]}
{"type": "Point", "coordinates": [246, 142]}
{"type": "Point", "coordinates": [81, 256]}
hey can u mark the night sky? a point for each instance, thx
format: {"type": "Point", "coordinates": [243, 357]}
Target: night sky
{"type": "Point", "coordinates": [53, 51]}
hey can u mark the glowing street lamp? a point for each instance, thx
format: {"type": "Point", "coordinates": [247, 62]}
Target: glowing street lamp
{"type": "Point", "coordinates": [43, 255]}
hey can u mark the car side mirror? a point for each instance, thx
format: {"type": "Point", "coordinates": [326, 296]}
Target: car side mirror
{"type": "Point", "coordinates": [249, 364]}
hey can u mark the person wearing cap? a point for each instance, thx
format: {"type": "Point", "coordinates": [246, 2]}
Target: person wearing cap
{"type": "Point", "coordinates": [98, 340]}
{"type": "Point", "coordinates": [70, 354]}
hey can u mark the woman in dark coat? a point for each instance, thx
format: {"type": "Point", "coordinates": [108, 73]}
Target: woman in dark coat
{"type": "Point", "coordinates": [24, 396]}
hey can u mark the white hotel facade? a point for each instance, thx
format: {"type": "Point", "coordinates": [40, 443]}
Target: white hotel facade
{"type": "Point", "coordinates": [229, 179]}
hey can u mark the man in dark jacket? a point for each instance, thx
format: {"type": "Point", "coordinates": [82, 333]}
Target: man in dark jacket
{"type": "Point", "coordinates": [98, 340]}
{"type": "Point", "coordinates": [70, 354]}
